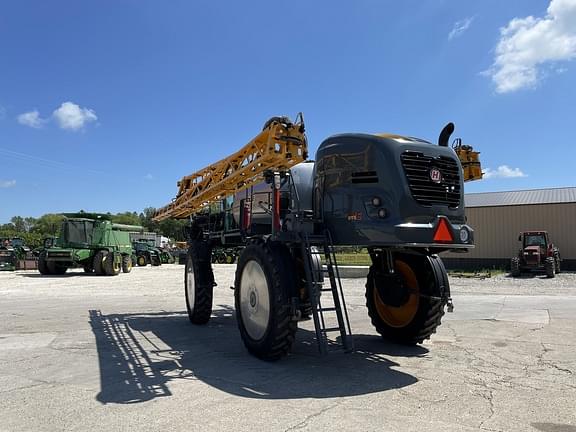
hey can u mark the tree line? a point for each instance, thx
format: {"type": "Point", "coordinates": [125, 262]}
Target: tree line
{"type": "Point", "coordinates": [35, 230]}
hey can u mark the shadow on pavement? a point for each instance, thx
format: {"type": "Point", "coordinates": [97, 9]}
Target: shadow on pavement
{"type": "Point", "coordinates": [139, 354]}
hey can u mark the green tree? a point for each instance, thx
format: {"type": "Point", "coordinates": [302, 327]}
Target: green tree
{"type": "Point", "coordinates": [128, 218]}
{"type": "Point", "coordinates": [48, 224]}
{"type": "Point", "coordinates": [146, 219]}
{"type": "Point", "coordinates": [19, 223]}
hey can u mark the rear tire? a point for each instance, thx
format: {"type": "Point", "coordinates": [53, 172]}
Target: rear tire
{"type": "Point", "coordinates": [264, 284]}
{"type": "Point", "coordinates": [549, 266]}
{"type": "Point", "coordinates": [557, 262]}
{"type": "Point", "coordinates": [199, 282]}
{"type": "Point", "coordinates": [155, 260]}
{"type": "Point", "coordinates": [126, 263]}
{"type": "Point", "coordinates": [422, 307]}
{"type": "Point", "coordinates": [515, 267]}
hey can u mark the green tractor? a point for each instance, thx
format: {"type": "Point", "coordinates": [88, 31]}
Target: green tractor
{"type": "Point", "coordinates": [145, 252]}
{"type": "Point", "coordinates": [8, 257]}
{"type": "Point", "coordinates": [13, 252]}
{"type": "Point", "coordinates": [166, 257]}
{"type": "Point", "coordinates": [89, 241]}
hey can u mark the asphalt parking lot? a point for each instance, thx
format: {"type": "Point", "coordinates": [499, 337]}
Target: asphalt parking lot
{"type": "Point", "coordinates": [81, 352]}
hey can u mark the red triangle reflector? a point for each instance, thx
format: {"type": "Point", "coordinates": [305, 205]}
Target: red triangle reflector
{"type": "Point", "coordinates": [443, 232]}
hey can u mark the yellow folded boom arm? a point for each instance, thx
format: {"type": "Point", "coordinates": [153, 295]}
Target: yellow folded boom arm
{"type": "Point", "coordinates": [281, 145]}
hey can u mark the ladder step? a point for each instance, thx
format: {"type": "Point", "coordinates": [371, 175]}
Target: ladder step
{"type": "Point", "coordinates": [332, 309]}
{"type": "Point", "coordinates": [331, 329]}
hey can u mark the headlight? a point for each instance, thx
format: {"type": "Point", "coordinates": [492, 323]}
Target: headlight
{"type": "Point", "coordinates": [464, 235]}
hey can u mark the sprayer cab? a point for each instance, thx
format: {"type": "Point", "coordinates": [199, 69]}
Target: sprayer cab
{"type": "Point", "coordinates": [390, 191]}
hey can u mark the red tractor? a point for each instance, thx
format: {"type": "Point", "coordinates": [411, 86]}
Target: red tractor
{"type": "Point", "coordinates": [537, 254]}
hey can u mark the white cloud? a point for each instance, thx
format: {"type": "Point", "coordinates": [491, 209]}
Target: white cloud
{"type": "Point", "coordinates": [527, 44]}
{"type": "Point", "coordinates": [460, 27]}
{"type": "Point", "coordinates": [503, 171]}
{"type": "Point", "coordinates": [31, 119]}
{"type": "Point", "coordinates": [72, 117]}
{"type": "Point", "coordinates": [4, 184]}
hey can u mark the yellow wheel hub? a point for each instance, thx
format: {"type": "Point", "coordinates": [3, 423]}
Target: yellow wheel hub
{"type": "Point", "coordinates": [403, 315]}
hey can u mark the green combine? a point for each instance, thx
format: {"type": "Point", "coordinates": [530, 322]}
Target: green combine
{"type": "Point", "coordinates": [92, 242]}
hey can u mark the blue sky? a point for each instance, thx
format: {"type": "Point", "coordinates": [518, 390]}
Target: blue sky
{"type": "Point", "coordinates": [105, 105]}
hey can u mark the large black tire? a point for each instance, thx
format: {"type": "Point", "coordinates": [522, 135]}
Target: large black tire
{"type": "Point", "coordinates": [557, 262]}
{"type": "Point", "coordinates": [112, 264]}
{"type": "Point", "coordinates": [142, 260]}
{"type": "Point", "coordinates": [88, 268]}
{"type": "Point", "coordinates": [417, 311]}
{"type": "Point", "coordinates": [42, 264]}
{"type": "Point", "coordinates": [126, 263]}
{"type": "Point", "coordinates": [56, 268]}
{"type": "Point", "coordinates": [549, 265]}
{"type": "Point", "coordinates": [515, 267]}
{"type": "Point", "coordinates": [264, 284]}
{"type": "Point", "coordinates": [199, 282]}
{"type": "Point", "coordinates": [98, 262]}
{"type": "Point", "coordinates": [155, 260]}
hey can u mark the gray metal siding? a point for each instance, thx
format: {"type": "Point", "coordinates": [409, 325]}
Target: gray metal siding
{"type": "Point", "coordinates": [496, 228]}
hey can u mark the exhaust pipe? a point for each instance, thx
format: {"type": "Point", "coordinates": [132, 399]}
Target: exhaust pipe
{"type": "Point", "coordinates": [445, 135]}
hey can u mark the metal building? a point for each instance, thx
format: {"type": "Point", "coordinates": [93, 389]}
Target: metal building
{"type": "Point", "coordinates": [498, 218]}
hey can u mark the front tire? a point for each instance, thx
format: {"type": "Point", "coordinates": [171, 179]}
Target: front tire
{"type": "Point", "coordinates": [199, 283]}
{"type": "Point", "coordinates": [98, 263]}
{"type": "Point", "coordinates": [56, 268]}
{"type": "Point", "coordinates": [112, 264]}
{"type": "Point", "coordinates": [42, 264]}
{"type": "Point", "coordinates": [415, 309]}
{"type": "Point", "coordinates": [263, 286]}
{"type": "Point", "coordinates": [141, 260]}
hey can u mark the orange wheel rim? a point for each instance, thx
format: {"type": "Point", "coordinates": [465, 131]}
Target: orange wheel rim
{"type": "Point", "coordinates": [403, 315]}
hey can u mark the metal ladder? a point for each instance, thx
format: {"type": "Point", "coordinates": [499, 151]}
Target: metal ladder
{"type": "Point", "coordinates": [314, 282]}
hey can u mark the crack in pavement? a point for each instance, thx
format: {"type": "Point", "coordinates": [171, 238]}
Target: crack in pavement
{"type": "Point", "coordinates": [304, 422]}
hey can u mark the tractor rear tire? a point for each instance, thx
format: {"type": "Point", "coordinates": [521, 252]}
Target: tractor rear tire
{"type": "Point", "coordinates": [263, 285]}
{"type": "Point", "coordinates": [515, 267]}
{"type": "Point", "coordinates": [417, 318]}
{"type": "Point", "coordinates": [549, 265]}
{"type": "Point", "coordinates": [126, 263]}
{"type": "Point", "coordinates": [155, 260]}
{"type": "Point", "coordinates": [98, 263]}
{"type": "Point", "coordinates": [557, 262]}
{"type": "Point", "coordinates": [42, 264]}
{"type": "Point", "coordinates": [112, 264]}
{"type": "Point", "coordinates": [199, 282]}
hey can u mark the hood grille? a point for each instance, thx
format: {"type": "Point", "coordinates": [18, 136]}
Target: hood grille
{"type": "Point", "coordinates": [424, 190]}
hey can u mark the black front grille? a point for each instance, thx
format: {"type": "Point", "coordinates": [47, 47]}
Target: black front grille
{"type": "Point", "coordinates": [417, 168]}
